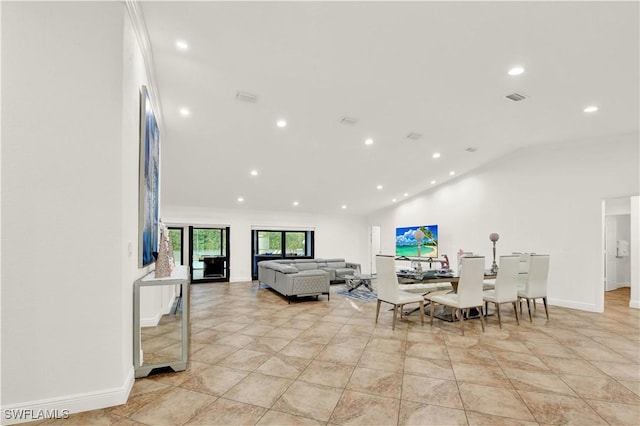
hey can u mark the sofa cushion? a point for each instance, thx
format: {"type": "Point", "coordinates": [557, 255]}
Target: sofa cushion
{"type": "Point", "coordinates": [336, 264]}
{"type": "Point", "coordinates": [306, 266]}
{"type": "Point", "coordinates": [285, 269]}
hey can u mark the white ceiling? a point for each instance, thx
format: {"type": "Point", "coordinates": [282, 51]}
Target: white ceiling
{"type": "Point", "coordinates": [434, 68]}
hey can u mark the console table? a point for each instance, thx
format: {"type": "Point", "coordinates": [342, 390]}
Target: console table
{"type": "Point", "coordinates": [179, 276]}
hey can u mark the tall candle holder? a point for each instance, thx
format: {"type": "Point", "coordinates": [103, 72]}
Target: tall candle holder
{"type": "Point", "coordinates": [494, 266]}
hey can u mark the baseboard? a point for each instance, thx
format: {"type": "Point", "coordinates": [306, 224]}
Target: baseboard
{"type": "Point", "coordinates": [240, 279]}
{"type": "Point", "coordinates": [61, 407]}
{"type": "Point", "coordinates": [634, 304]}
{"type": "Point", "coordinates": [589, 307]}
{"type": "Point", "coordinates": [151, 321]}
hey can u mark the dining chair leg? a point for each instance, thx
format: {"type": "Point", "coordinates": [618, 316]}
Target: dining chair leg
{"type": "Point", "coordinates": [498, 312]}
{"type": "Point", "coordinates": [461, 311]}
{"type": "Point", "coordinates": [378, 310]}
{"type": "Point", "coordinates": [422, 313]}
{"type": "Point", "coordinates": [515, 309]}
{"type": "Point", "coordinates": [486, 308]}
{"type": "Point", "coordinates": [535, 308]}
{"type": "Point", "coordinates": [482, 317]}
{"type": "Point", "coordinates": [432, 309]}
{"type": "Point", "coordinates": [520, 303]}
{"type": "Point", "coordinates": [546, 310]}
{"type": "Point", "coordinates": [529, 309]}
{"type": "Point", "coordinates": [395, 314]}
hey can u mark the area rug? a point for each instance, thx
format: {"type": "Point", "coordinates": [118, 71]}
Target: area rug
{"type": "Point", "coordinates": [361, 293]}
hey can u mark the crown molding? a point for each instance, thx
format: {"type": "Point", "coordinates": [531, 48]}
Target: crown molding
{"type": "Point", "coordinates": [142, 35]}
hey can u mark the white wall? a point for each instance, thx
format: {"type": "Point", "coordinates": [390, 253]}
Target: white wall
{"type": "Point", "coordinates": [70, 80]}
{"type": "Point", "coordinates": [544, 199]}
{"type": "Point", "coordinates": [335, 235]}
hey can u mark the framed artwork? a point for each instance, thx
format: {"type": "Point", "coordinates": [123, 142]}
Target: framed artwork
{"type": "Point", "coordinates": [149, 181]}
{"type": "Point", "coordinates": [407, 244]}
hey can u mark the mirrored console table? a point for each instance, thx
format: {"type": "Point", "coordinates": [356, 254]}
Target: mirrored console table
{"type": "Point", "coordinates": [161, 322]}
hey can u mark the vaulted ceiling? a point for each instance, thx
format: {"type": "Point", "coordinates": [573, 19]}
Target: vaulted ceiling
{"type": "Point", "coordinates": [437, 71]}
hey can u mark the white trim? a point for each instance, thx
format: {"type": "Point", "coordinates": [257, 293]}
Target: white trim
{"type": "Point", "coordinates": [240, 279]}
{"type": "Point", "coordinates": [73, 403]}
{"type": "Point", "coordinates": [281, 228]}
{"type": "Point", "coordinates": [142, 35]}
{"type": "Point", "coordinates": [589, 307]}
{"type": "Point", "coordinates": [634, 304]}
{"type": "Point", "coordinates": [151, 321]}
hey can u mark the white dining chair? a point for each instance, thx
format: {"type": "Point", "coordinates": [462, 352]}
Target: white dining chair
{"type": "Point", "coordinates": [469, 292]}
{"type": "Point", "coordinates": [536, 284]}
{"type": "Point", "coordinates": [389, 290]}
{"type": "Point", "coordinates": [506, 286]}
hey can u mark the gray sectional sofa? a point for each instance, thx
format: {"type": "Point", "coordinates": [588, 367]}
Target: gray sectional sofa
{"type": "Point", "coordinates": [304, 277]}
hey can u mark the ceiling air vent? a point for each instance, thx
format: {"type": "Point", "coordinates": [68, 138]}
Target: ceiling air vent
{"type": "Point", "coordinates": [414, 136]}
{"type": "Point", "coordinates": [471, 149]}
{"type": "Point", "coordinates": [349, 120]}
{"type": "Point", "coordinates": [516, 97]}
{"type": "Point", "coordinates": [246, 97]}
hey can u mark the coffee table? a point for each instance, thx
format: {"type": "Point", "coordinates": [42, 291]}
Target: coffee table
{"type": "Point", "coordinates": [355, 281]}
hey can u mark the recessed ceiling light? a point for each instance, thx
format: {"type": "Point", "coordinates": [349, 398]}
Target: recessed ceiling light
{"type": "Point", "coordinates": [433, 182]}
{"type": "Point", "coordinates": [516, 71]}
{"type": "Point", "coordinates": [406, 194]}
{"type": "Point", "coordinates": [368, 141]}
{"type": "Point", "coordinates": [393, 200]}
{"type": "Point", "coordinates": [184, 112]}
{"type": "Point", "coordinates": [344, 206]}
{"type": "Point", "coordinates": [254, 173]}
{"type": "Point", "coordinates": [591, 108]}
{"type": "Point", "coordinates": [295, 203]}
{"type": "Point", "coordinates": [281, 123]}
{"type": "Point", "coordinates": [182, 45]}
{"type": "Point", "coordinates": [240, 199]}
{"type": "Point", "coordinates": [379, 187]}
{"type": "Point", "coordinates": [436, 155]}
{"type": "Point", "coordinates": [451, 173]}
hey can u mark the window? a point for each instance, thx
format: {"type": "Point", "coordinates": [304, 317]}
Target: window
{"type": "Point", "coordinates": [279, 245]}
{"type": "Point", "coordinates": [175, 236]}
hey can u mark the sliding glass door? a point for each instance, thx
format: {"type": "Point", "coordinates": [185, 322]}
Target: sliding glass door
{"type": "Point", "coordinates": [209, 254]}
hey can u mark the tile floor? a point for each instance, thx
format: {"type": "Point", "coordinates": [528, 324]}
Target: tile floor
{"type": "Point", "coordinates": [256, 360]}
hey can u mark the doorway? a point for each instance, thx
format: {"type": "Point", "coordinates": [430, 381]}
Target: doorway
{"type": "Point", "coordinates": [209, 254]}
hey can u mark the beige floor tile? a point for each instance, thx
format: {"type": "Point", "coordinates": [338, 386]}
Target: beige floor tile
{"type": "Point", "coordinates": [472, 355]}
{"type": "Point", "coordinates": [285, 366]}
{"type": "Point", "coordinates": [214, 380]}
{"type": "Point", "coordinates": [436, 368]}
{"type": "Point", "coordinates": [633, 386]}
{"type": "Point", "coordinates": [227, 412]}
{"type": "Point", "coordinates": [432, 391]}
{"type": "Point", "coordinates": [327, 373]}
{"type": "Point", "coordinates": [480, 374]}
{"type": "Point", "coordinates": [258, 389]}
{"type": "Point", "coordinates": [302, 349]}
{"type": "Point", "coordinates": [494, 401]}
{"type": "Point", "coordinates": [268, 344]}
{"type": "Point", "coordinates": [416, 414]}
{"type": "Point", "coordinates": [355, 408]}
{"type": "Point", "coordinates": [277, 418]}
{"type": "Point", "coordinates": [376, 382]}
{"type": "Point", "coordinates": [285, 332]}
{"type": "Point", "coordinates": [340, 354]}
{"type": "Point", "coordinates": [213, 353]}
{"type": "Point", "coordinates": [575, 366]}
{"type": "Point", "coordinates": [554, 409]}
{"type": "Point", "coordinates": [538, 382]}
{"type": "Point", "coordinates": [630, 372]}
{"type": "Point", "coordinates": [551, 350]}
{"type": "Point", "coordinates": [309, 400]}
{"type": "Point", "coordinates": [426, 350]}
{"type": "Point", "coordinates": [382, 361]}
{"type": "Point", "coordinates": [245, 359]}
{"type": "Point", "coordinates": [601, 388]}
{"type": "Point", "coordinates": [175, 407]}
{"type": "Point", "coordinates": [381, 344]}
{"type": "Point", "coordinates": [615, 413]}
{"type": "Point", "coordinates": [519, 361]}
{"type": "Point", "coordinates": [480, 419]}
{"type": "Point", "coordinates": [356, 341]}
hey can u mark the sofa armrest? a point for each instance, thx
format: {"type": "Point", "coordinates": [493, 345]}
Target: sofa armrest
{"type": "Point", "coordinates": [331, 271]}
{"type": "Point", "coordinates": [352, 265]}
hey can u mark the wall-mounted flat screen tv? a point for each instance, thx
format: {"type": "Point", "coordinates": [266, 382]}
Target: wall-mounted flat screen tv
{"type": "Point", "coordinates": [407, 244]}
